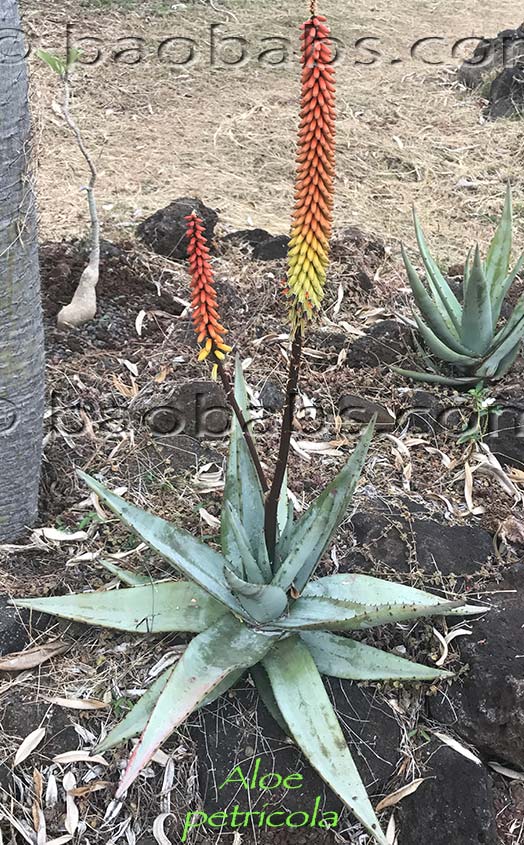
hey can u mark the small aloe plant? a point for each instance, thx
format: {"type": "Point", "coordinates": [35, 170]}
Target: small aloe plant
{"type": "Point", "coordinates": [466, 335]}
{"type": "Point", "coordinates": [254, 604]}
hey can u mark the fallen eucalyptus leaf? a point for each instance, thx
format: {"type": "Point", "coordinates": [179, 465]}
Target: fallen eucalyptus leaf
{"type": "Point", "coordinates": [29, 744]}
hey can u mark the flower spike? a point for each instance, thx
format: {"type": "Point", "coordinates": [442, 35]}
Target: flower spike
{"type": "Point", "coordinates": [312, 216]}
{"type": "Point", "coordinates": [204, 304]}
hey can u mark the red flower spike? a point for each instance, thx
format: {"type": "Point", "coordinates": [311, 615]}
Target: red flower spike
{"type": "Point", "coordinates": [204, 303]}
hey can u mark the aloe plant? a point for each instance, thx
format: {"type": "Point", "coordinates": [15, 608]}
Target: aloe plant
{"type": "Point", "coordinates": [467, 334]}
{"type": "Point", "coordinates": [251, 613]}
{"type": "Point", "coordinates": [254, 605]}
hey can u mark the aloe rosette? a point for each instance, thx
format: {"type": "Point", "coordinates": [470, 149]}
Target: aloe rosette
{"type": "Point", "coordinates": [465, 334]}
{"type": "Point", "coordinates": [248, 614]}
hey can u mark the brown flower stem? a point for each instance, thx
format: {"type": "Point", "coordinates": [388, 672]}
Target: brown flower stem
{"type": "Point", "coordinates": [273, 496]}
{"type": "Point", "coordinates": [243, 423]}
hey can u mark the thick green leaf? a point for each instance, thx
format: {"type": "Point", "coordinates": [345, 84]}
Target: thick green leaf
{"type": "Point", "coordinates": [242, 488]}
{"type": "Point", "coordinates": [259, 675]}
{"type": "Point", "coordinates": [506, 364]}
{"type": "Point", "coordinates": [477, 320]}
{"type": "Point", "coordinates": [499, 254]}
{"type": "Point", "coordinates": [434, 378]}
{"type": "Point", "coordinates": [210, 658]}
{"type": "Point", "coordinates": [135, 721]}
{"type": "Point", "coordinates": [499, 294]}
{"type": "Point", "coordinates": [263, 602]}
{"type": "Point", "coordinates": [440, 349]}
{"type": "Point", "coordinates": [250, 567]}
{"type": "Point", "coordinates": [324, 611]}
{"type": "Point", "coordinates": [435, 315]}
{"type": "Point", "coordinates": [313, 532]}
{"type": "Point", "coordinates": [438, 284]}
{"type": "Point", "coordinates": [197, 561]}
{"type": "Point", "coordinates": [132, 579]}
{"type": "Point", "coordinates": [509, 347]}
{"type": "Point", "coordinates": [516, 316]}
{"type": "Point", "coordinates": [307, 710]}
{"type": "Point", "coordinates": [345, 658]}
{"type": "Point", "coordinates": [165, 606]}
{"type": "Point", "coordinates": [362, 601]}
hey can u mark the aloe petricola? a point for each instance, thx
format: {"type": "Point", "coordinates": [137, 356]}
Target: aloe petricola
{"type": "Point", "coordinates": [255, 604]}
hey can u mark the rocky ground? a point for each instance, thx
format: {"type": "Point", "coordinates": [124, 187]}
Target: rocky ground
{"type": "Point", "coordinates": [128, 402]}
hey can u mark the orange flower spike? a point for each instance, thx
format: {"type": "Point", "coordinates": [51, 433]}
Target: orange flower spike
{"type": "Point", "coordinates": [204, 303]}
{"type": "Point", "coordinates": [312, 216]}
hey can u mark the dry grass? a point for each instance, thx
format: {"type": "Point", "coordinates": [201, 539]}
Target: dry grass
{"type": "Point", "coordinates": [406, 131]}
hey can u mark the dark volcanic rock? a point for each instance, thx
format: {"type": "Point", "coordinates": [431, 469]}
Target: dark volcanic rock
{"type": "Point", "coordinates": [165, 231]}
{"type": "Point", "coordinates": [506, 95]}
{"type": "Point", "coordinates": [454, 806]}
{"type": "Point", "coordinates": [353, 407]}
{"type": "Point", "coordinates": [195, 408]}
{"type": "Point", "coordinates": [276, 247]}
{"type": "Point", "coordinates": [425, 412]}
{"type": "Point", "coordinates": [492, 55]}
{"type": "Point", "coordinates": [263, 245]}
{"type": "Point", "coordinates": [506, 432]}
{"type": "Point", "coordinates": [247, 237]}
{"type": "Point", "coordinates": [403, 542]}
{"type": "Point", "coordinates": [238, 730]}
{"type": "Point", "coordinates": [385, 343]}
{"type": "Point", "coordinates": [487, 708]}
{"type": "Point", "coordinates": [272, 397]}
{"type": "Point", "coordinates": [13, 631]}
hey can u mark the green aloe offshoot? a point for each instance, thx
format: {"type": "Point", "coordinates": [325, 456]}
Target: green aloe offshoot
{"type": "Point", "coordinates": [249, 612]}
{"type": "Point", "coordinates": [464, 339]}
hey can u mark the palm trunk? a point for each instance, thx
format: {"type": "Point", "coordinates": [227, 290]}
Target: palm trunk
{"type": "Point", "coordinates": [21, 331]}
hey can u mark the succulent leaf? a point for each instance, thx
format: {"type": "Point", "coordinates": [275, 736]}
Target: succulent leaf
{"type": "Point", "coordinates": [499, 294]}
{"type": "Point", "coordinates": [435, 315]}
{"type": "Point", "coordinates": [499, 253]}
{"type": "Point", "coordinates": [365, 589]}
{"type": "Point", "coordinates": [477, 320]}
{"type": "Point", "coordinates": [438, 284]}
{"type": "Point", "coordinates": [135, 721]}
{"type": "Point", "coordinates": [132, 579]}
{"type": "Point", "coordinates": [157, 608]}
{"type": "Point", "coordinates": [242, 488]}
{"type": "Point", "coordinates": [512, 342]}
{"type": "Point", "coordinates": [304, 703]}
{"type": "Point", "coordinates": [263, 602]}
{"type": "Point", "coordinates": [239, 538]}
{"type": "Point", "coordinates": [210, 658]}
{"type": "Point", "coordinates": [341, 657]}
{"type": "Point", "coordinates": [313, 532]}
{"type": "Point", "coordinates": [434, 378]}
{"type": "Point", "coordinates": [197, 561]}
{"type": "Point", "coordinates": [259, 675]}
{"type": "Point", "coordinates": [440, 349]}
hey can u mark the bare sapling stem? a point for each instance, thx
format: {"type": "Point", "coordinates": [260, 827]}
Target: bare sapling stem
{"type": "Point", "coordinates": [285, 440]}
{"type": "Point", "coordinates": [82, 307]}
{"type": "Point", "coordinates": [243, 423]}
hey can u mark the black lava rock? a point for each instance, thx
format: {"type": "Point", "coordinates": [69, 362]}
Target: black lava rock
{"type": "Point", "coordinates": [487, 708]}
{"type": "Point", "coordinates": [165, 231]}
{"type": "Point", "coordinates": [271, 249]}
{"type": "Point", "coordinates": [385, 343]}
{"type": "Point", "coordinates": [272, 397]}
{"type": "Point", "coordinates": [454, 805]}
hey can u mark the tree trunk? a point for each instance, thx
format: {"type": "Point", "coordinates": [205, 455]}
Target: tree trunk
{"type": "Point", "coordinates": [21, 331]}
